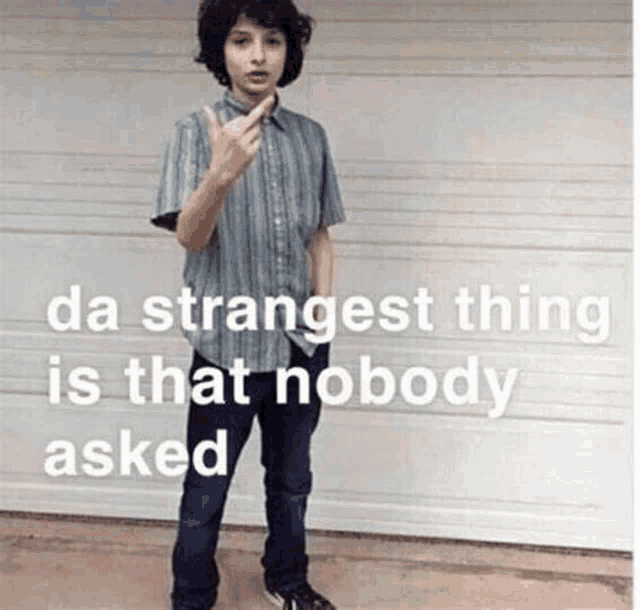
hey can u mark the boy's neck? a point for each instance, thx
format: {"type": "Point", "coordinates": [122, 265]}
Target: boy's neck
{"type": "Point", "coordinates": [249, 104]}
{"type": "Point", "coordinates": [248, 101]}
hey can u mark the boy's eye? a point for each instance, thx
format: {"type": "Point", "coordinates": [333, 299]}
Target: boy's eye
{"type": "Point", "coordinates": [274, 41]}
{"type": "Point", "coordinates": [240, 41]}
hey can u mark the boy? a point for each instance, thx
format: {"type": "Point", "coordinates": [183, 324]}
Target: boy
{"type": "Point", "coordinates": [250, 189]}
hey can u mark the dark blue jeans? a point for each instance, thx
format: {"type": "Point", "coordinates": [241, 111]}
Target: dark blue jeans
{"type": "Point", "coordinates": [286, 436]}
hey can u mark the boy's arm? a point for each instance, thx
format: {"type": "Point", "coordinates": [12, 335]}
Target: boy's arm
{"type": "Point", "coordinates": [322, 257]}
{"type": "Point", "coordinates": [199, 218]}
{"type": "Point", "coordinates": [233, 148]}
{"type": "Point", "coordinates": [321, 251]}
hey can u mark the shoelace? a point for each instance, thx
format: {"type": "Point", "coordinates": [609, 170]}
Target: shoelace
{"type": "Point", "coordinates": [307, 595]}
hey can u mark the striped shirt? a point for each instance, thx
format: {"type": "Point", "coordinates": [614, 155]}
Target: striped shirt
{"type": "Point", "coordinates": [259, 246]}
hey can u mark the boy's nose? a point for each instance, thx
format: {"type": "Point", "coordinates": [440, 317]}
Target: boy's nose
{"type": "Point", "coordinates": [258, 54]}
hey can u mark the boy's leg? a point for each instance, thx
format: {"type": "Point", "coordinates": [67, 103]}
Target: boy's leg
{"type": "Point", "coordinates": [195, 574]}
{"type": "Point", "coordinates": [286, 438]}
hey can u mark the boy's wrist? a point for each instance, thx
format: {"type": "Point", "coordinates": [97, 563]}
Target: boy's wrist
{"type": "Point", "coordinates": [219, 179]}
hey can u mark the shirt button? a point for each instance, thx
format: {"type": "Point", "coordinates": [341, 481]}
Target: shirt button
{"type": "Point", "coordinates": [278, 221]}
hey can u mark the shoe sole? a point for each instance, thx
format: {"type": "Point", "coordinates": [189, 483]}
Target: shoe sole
{"type": "Point", "coordinates": [274, 598]}
{"type": "Point", "coordinates": [278, 601]}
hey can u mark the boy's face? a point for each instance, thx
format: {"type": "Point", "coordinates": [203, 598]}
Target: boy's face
{"type": "Point", "coordinates": [255, 57]}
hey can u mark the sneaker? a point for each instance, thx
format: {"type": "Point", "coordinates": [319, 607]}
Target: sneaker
{"type": "Point", "coordinates": [302, 597]}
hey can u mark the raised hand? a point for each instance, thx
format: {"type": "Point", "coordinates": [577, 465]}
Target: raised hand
{"type": "Point", "coordinates": [233, 148]}
{"type": "Point", "coordinates": [235, 144]}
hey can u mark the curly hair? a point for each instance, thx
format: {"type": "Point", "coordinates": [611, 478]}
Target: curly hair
{"type": "Point", "coordinates": [217, 17]}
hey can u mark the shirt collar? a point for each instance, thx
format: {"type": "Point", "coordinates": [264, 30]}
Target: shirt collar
{"type": "Point", "coordinates": [239, 107]}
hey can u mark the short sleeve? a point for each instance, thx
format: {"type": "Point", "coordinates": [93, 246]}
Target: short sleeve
{"type": "Point", "coordinates": [332, 211]}
{"type": "Point", "coordinates": [179, 177]}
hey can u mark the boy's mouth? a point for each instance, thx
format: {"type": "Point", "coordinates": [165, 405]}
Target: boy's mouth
{"type": "Point", "coordinates": [258, 74]}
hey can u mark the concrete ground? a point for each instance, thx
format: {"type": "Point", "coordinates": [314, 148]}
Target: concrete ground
{"type": "Point", "coordinates": [71, 563]}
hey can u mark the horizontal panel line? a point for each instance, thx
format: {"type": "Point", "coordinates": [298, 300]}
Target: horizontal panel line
{"type": "Point", "coordinates": [99, 70]}
{"type": "Point", "coordinates": [338, 241]}
{"type": "Point", "coordinates": [378, 335]}
{"type": "Point", "coordinates": [427, 225]}
{"type": "Point", "coordinates": [457, 499]}
{"type": "Point", "coordinates": [58, 153]}
{"type": "Point", "coordinates": [72, 485]}
{"type": "Point", "coordinates": [349, 343]}
{"type": "Point", "coordinates": [389, 223]}
{"type": "Point", "coordinates": [405, 178]}
{"type": "Point", "coordinates": [166, 407]}
{"type": "Point", "coordinates": [91, 200]}
{"type": "Point", "coordinates": [329, 21]}
{"type": "Point", "coordinates": [345, 176]}
{"type": "Point", "coordinates": [103, 216]}
{"type": "Point", "coordinates": [414, 194]}
{"type": "Point", "coordinates": [168, 403]}
{"type": "Point", "coordinates": [362, 497]}
{"type": "Point", "coordinates": [471, 345]}
{"type": "Point", "coordinates": [31, 16]}
{"type": "Point", "coordinates": [507, 57]}
{"type": "Point", "coordinates": [393, 75]}
{"type": "Point", "coordinates": [142, 410]}
{"type": "Point", "coordinates": [473, 212]}
{"type": "Point", "coordinates": [454, 353]}
{"type": "Point", "coordinates": [311, 72]}
{"type": "Point", "coordinates": [341, 174]}
{"type": "Point", "coordinates": [439, 258]}
{"type": "Point", "coordinates": [406, 212]}
{"type": "Point", "coordinates": [472, 342]}
{"type": "Point", "coordinates": [424, 196]}
{"type": "Point", "coordinates": [109, 185]}
{"type": "Point", "coordinates": [461, 259]}
{"type": "Point", "coordinates": [86, 233]}
{"type": "Point", "coordinates": [483, 416]}
{"type": "Point", "coordinates": [141, 54]}
{"type": "Point", "coordinates": [151, 407]}
{"type": "Point", "coordinates": [486, 196]}
{"type": "Point", "coordinates": [492, 247]}
{"type": "Point", "coordinates": [625, 405]}
{"type": "Point", "coordinates": [354, 366]}
{"type": "Point", "coordinates": [486, 163]}
{"type": "Point", "coordinates": [487, 21]}
{"type": "Point", "coordinates": [362, 161]}
{"type": "Point", "coordinates": [500, 3]}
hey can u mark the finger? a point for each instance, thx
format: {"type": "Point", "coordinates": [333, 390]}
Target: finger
{"type": "Point", "coordinates": [267, 104]}
{"type": "Point", "coordinates": [244, 123]}
{"type": "Point", "coordinates": [255, 138]}
{"type": "Point", "coordinates": [254, 146]}
{"type": "Point", "coordinates": [261, 111]}
{"type": "Point", "coordinates": [252, 135]}
{"type": "Point", "coordinates": [237, 125]}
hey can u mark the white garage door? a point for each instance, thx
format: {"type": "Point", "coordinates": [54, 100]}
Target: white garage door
{"type": "Point", "coordinates": [483, 147]}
